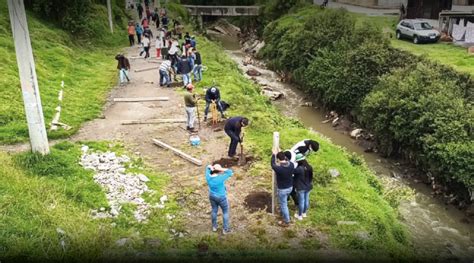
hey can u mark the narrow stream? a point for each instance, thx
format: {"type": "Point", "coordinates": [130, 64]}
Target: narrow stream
{"type": "Point", "coordinates": [437, 229]}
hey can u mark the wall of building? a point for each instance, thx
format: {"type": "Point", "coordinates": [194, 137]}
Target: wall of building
{"type": "Point", "coordinates": [374, 3]}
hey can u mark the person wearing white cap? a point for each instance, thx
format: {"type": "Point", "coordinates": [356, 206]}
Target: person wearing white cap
{"type": "Point", "coordinates": [213, 95]}
{"type": "Point", "coordinates": [215, 178]}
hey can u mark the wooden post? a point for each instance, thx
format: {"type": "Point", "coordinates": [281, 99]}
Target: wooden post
{"type": "Point", "coordinates": [276, 146]}
{"type": "Point", "coordinates": [28, 80]}
{"type": "Point", "coordinates": [178, 152]}
{"type": "Point", "coordinates": [109, 9]}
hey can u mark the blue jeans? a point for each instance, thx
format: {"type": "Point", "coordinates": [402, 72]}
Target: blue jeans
{"type": "Point", "coordinates": [218, 105]}
{"type": "Point", "coordinates": [221, 202]}
{"type": "Point", "coordinates": [164, 78]}
{"type": "Point", "coordinates": [186, 79]}
{"type": "Point", "coordinates": [234, 141]}
{"type": "Point", "coordinates": [283, 196]}
{"type": "Point", "coordinates": [197, 72]}
{"type": "Point", "coordinates": [303, 202]}
{"type": "Point", "coordinates": [123, 75]}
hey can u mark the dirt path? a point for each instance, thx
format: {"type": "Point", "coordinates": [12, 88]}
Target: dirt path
{"type": "Point", "coordinates": [188, 185]}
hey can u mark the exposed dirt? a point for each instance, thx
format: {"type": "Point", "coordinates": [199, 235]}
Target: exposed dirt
{"type": "Point", "coordinates": [259, 201]}
{"type": "Point", "coordinates": [188, 186]}
{"type": "Point", "coordinates": [231, 162]}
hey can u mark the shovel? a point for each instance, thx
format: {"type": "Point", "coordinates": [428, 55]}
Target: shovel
{"type": "Point", "coordinates": [241, 159]}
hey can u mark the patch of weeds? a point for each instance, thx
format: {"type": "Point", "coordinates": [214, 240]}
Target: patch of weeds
{"type": "Point", "coordinates": [355, 159]}
{"type": "Point", "coordinates": [311, 243]}
{"type": "Point", "coordinates": [374, 182]}
{"type": "Point", "coordinates": [289, 233]}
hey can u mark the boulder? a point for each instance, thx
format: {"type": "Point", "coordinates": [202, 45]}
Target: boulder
{"type": "Point", "coordinates": [273, 95]}
{"type": "Point", "coordinates": [253, 72]}
{"type": "Point", "coordinates": [335, 122]}
{"type": "Point", "coordinates": [334, 172]}
{"type": "Point", "coordinates": [257, 47]}
{"type": "Point", "coordinates": [220, 30]}
{"type": "Point", "coordinates": [356, 133]}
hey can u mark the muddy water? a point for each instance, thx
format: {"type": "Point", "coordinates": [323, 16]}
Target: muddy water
{"type": "Point", "coordinates": [437, 229]}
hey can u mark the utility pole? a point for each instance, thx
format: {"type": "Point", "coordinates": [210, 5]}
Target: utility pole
{"type": "Point", "coordinates": [28, 80]}
{"type": "Point", "coordinates": [109, 9]}
{"type": "Point", "coordinates": [276, 146]}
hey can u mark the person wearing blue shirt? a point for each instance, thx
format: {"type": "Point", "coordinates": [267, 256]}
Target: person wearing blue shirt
{"type": "Point", "coordinates": [139, 31]}
{"type": "Point", "coordinates": [215, 178]}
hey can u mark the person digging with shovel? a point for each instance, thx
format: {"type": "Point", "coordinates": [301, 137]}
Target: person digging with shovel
{"type": "Point", "coordinates": [233, 128]}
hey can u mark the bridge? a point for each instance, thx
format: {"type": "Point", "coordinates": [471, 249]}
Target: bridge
{"type": "Point", "coordinates": [206, 10]}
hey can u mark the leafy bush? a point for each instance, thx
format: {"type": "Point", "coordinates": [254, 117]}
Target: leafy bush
{"type": "Point", "coordinates": [78, 17]}
{"type": "Point", "coordinates": [423, 112]}
{"type": "Point", "coordinates": [418, 111]}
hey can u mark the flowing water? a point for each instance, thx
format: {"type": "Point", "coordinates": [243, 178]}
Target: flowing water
{"type": "Point", "coordinates": [437, 229]}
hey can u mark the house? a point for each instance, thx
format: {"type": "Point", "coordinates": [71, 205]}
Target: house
{"type": "Point", "coordinates": [389, 4]}
{"type": "Point", "coordinates": [427, 8]}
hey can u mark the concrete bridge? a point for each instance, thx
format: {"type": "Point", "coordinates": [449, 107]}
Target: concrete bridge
{"type": "Point", "coordinates": [206, 10]}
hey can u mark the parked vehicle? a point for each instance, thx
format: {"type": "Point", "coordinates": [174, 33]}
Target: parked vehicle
{"type": "Point", "coordinates": [417, 30]}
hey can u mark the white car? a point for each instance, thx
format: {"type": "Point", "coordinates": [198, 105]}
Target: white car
{"type": "Point", "coordinates": [417, 30]}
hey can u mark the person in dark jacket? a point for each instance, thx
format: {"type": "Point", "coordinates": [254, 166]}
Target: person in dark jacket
{"type": "Point", "coordinates": [284, 178]}
{"type": "Point", "coordinates": [140, 11]}
{"type": "Point", "coordinates": [164, 21]}
{"type": "Point", "coordinates": [303, 182]}
{"type": "Point", "coordinates": [123, 66]}
{"type": "Point", "coordinates": [197, 71]}
{"type": "Point", "coordinates": [187, 38]}
{"type": "Point", "coordinates": [185, 65]}
{"type": "Point", "coordinates": [213, 95]}
{"type": "Point", "coordinates": [147, 32]}
{"type": "Point", "coordinates": [233, 128]}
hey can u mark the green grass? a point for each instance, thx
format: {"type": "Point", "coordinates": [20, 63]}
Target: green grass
{"type": "Point", "coordinates": [40, 194]}
{"type": "Point", "coordinates": [86, 67]}
{"type": "Point", "coordinates": [445, 53]}
{"type": "Point", "coordinates": [355, 196]}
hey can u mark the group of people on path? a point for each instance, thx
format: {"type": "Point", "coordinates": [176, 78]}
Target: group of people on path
{"type": "Point", "coordinates": [293, 173]}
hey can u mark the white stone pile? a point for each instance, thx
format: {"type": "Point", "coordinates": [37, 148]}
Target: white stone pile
{"type": "Point", "coordinates": [120, 187]}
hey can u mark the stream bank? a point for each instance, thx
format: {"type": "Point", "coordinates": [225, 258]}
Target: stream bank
{"type": "Point", "coordinates": [437, 228]}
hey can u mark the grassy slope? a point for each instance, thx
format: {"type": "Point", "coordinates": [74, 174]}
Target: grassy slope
{"type": "Point", "coordinates": [88, 70]}
{"type": "Point", "coordinates": [445, 53]}
{"type": "Point", "coordinates": [40, 194]}
{"type": "Point", "coordinates": [56, 192]}
{"type": "Point", "coordinates": [354, 196]}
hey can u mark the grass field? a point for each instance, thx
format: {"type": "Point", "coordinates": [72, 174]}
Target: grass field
{"type": "Point", "coordinates": [39, 195]}
{"type": "Point", "coordinates": [445, 53]}
{"type": "Point", "coordinates": [87, 69]}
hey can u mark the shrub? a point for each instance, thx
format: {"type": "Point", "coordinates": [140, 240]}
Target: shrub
{"type": "Point", "coordinates": [418, 111]}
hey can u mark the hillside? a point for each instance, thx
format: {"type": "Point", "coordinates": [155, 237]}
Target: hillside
{"type": "Point", "coordinates": [53, 219]}
{"type": "Point", "coordinates": [87, 67]}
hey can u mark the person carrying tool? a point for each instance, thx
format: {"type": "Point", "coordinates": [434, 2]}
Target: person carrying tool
{"type": "Point", "coordinates": [190, 102]}
{"type": "Point", "coordinates": [215, 178]}
{"type": "Point", "coordinates": [213, 95]}
{"type": "Point", "coordinates": [284, 178]}
{"type": "Point", "coordinates": [124, 66]}
{"type": "Point", "coordinates": [232, 128]}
